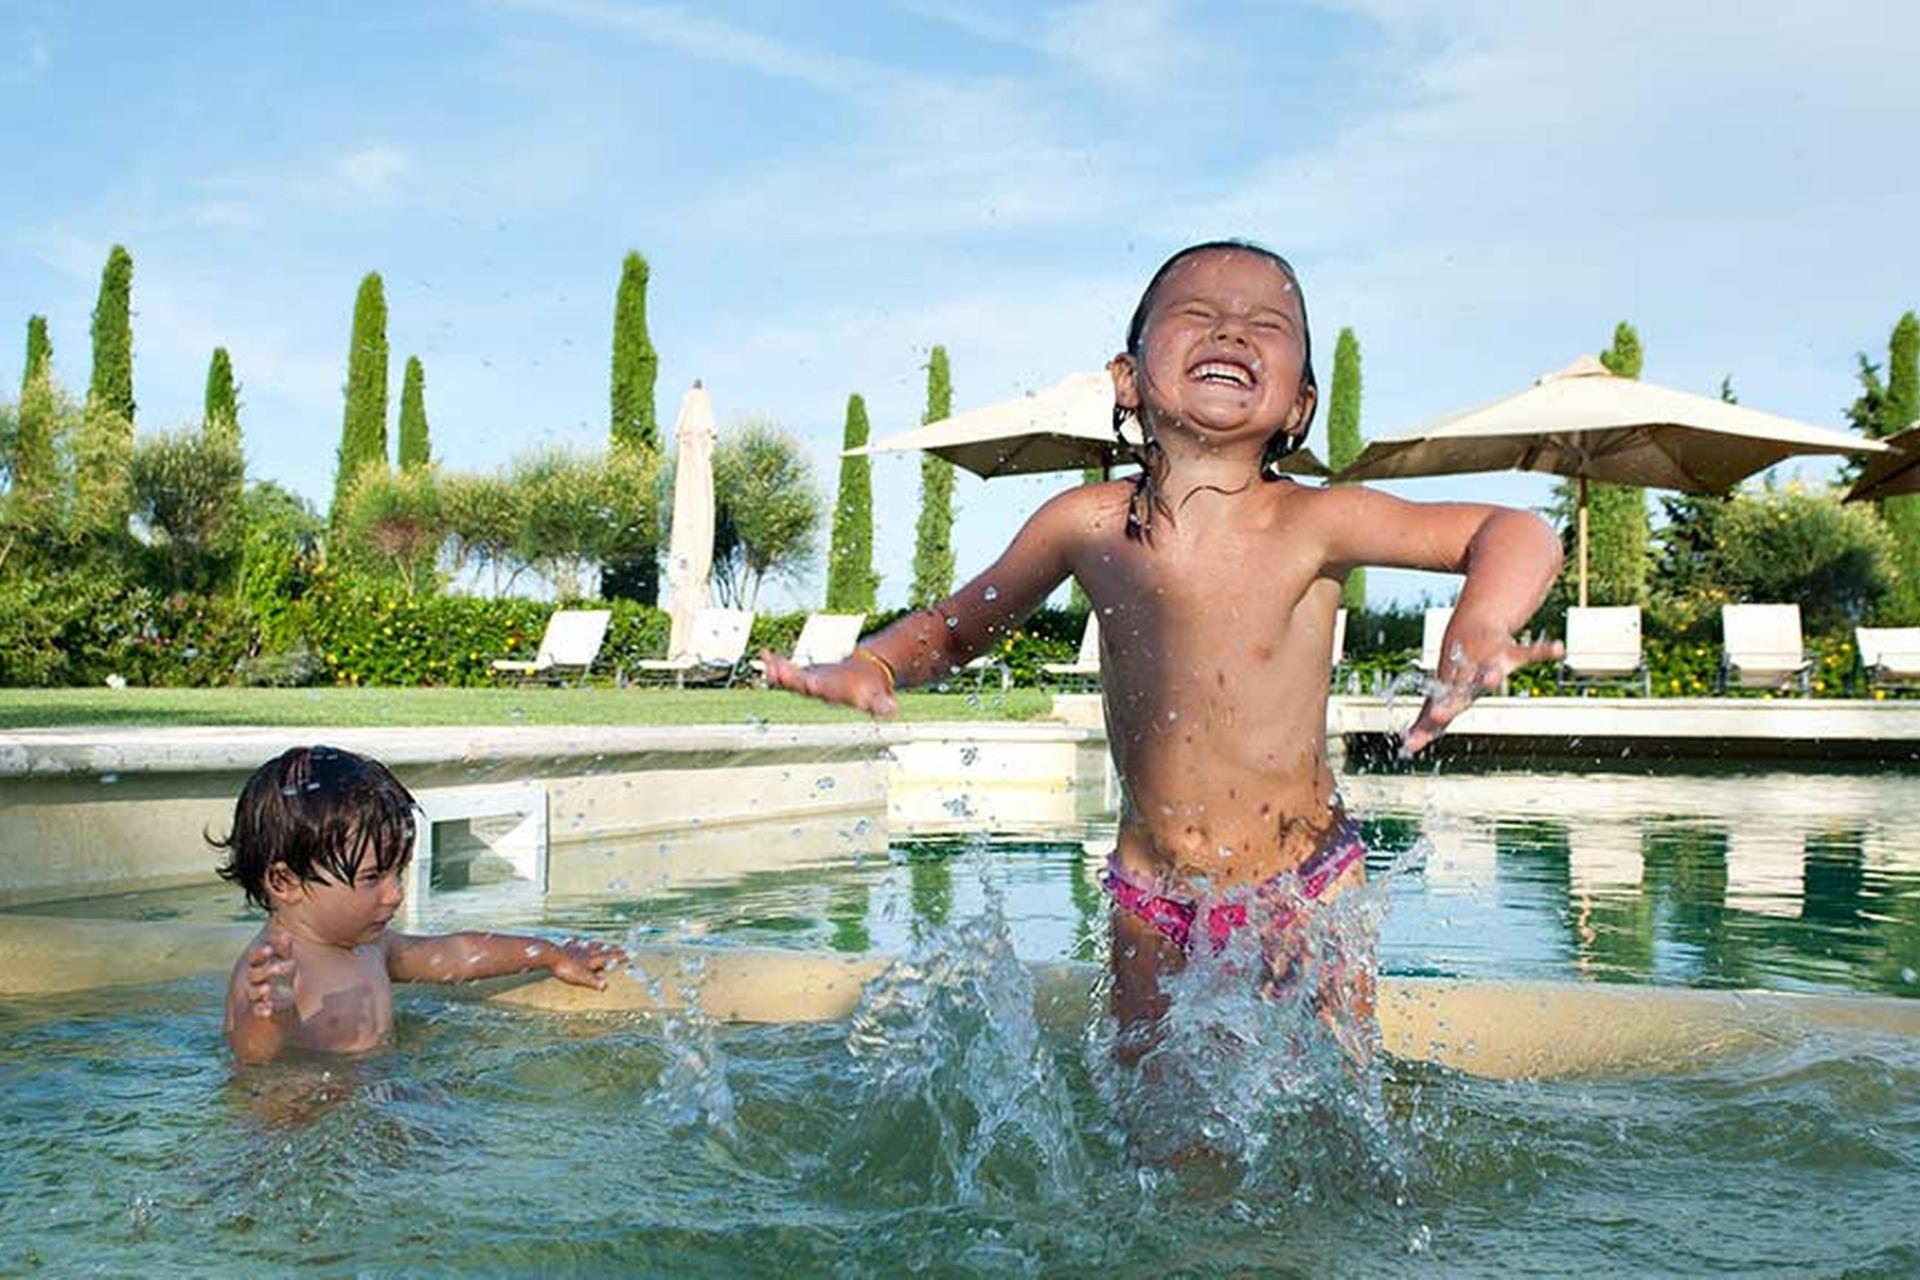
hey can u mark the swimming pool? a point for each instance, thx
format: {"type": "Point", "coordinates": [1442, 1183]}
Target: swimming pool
{"type": "Point", "coordinates": [943, 1128]}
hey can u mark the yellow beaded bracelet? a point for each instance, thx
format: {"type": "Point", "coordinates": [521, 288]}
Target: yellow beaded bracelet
{"type": "Point", "coordinates": [865, 654]}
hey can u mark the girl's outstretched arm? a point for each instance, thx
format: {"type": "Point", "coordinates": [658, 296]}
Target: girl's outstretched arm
{"type": "Point", "coordinates": [1510, 559]}
{"type": "Point", "coordinates": [930, 644]}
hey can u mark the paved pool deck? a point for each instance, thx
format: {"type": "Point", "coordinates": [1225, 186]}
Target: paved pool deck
{"type": "Point", "coordinates": [1814, 729]}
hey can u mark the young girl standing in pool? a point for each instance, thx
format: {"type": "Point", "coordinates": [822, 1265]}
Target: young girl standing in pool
{"type": "Point", "coordinates": [1216, 580]}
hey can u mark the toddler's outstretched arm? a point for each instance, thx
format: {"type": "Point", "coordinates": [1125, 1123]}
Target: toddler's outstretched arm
{"type": "Point", "coordinates": [935, 642]}
{"type": "Point", "coordinates": [465, 957]}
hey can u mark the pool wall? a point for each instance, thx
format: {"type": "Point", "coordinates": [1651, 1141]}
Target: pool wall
{"type": "Point", "coordinates": [87, 812]}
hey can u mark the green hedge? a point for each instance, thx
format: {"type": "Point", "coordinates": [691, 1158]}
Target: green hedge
{"type": "Point", "coordinates": [82, 625]}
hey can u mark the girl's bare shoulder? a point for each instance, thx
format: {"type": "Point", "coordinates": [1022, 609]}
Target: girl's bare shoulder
{"type": "Point", "coordinates": [1087, 510]}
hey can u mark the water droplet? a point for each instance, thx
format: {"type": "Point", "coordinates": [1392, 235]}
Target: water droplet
{"type": "Point", "coordinates": [991, 593]}
{"type": "Point", "coordinates": [823, 784]}
{"type": "Point", "coordinates": [952, 623]}
{"type": "Point", "coordinates": [969, 754]}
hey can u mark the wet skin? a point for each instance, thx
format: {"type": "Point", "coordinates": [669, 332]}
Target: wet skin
{"type": "Point", "coordinates": [319, 976]}
{"type": "Point", "coordinates": [1216, 631]}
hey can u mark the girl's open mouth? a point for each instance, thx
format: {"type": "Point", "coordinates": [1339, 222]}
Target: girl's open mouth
{"type": "Point", "coordinates": [1224, 373]}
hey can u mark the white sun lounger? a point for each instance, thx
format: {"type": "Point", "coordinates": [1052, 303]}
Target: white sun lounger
{"type": "Point", "coordinates": [1433, 630]}
{"type": "Point", "coordinates": [1891, 655]}
{"type": "Point", "coordinates": [714, 650]}
{"type": "Point", "coordinates": [1603, 647]}
{"type": "Point", "coordinates": [568, 647]}
{"type": "Point", "coordinates": [824, 637]}
{"type": "Point", "coordinates": [1763, 647]}
{"type": "Point", "coordinates": [1087, 666]}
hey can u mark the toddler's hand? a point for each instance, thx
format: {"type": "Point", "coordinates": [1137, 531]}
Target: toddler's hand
{"type": "Point", "coordinates": [1472, 664]}
{"type": "Point", "coordinates": [860, 685]}
{"type": "Point", "coordinates": [269, 976]}
{"type": "Point", "coordinates": [584, 963]}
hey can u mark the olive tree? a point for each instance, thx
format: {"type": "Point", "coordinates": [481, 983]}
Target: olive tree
{"type": "Point", "coordinates": [186, 504]}
{"type": "Point", "coordinates": [394, 519]}
{"type": "Point", "coordinates": [581, 510]}
{"type": "Point", "coordinates": [768, 511]}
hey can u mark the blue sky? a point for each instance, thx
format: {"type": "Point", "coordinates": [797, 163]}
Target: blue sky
{"type": "Point", "coordinates": [1479, 190]}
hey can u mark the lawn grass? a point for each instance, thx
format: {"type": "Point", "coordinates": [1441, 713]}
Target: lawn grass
{"type": "Point", "coordinates": [535, 705]}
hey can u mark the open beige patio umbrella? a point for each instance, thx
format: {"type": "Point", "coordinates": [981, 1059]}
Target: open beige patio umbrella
{"type": "Point", "coordinates": [1893, 473]}
{"type": "Point", "coordinates": [1586, 423]}
{"type": "Point", "coordinates": [690, 540]}
{"type": "Point", "coordinates": [1066, 427]}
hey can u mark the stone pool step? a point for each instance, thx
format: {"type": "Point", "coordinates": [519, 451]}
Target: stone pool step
{"type": "Point", "coordinates": [1504, 1030]}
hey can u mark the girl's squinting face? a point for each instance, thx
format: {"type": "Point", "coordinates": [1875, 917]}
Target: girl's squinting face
{"type": "Point", "coordinates": [1224, 348]}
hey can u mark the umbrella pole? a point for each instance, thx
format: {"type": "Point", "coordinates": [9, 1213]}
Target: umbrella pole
{"type": "Point", "coordinates": [1583, 542]}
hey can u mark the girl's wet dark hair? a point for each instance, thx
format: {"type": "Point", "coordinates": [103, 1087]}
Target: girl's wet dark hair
{"type": "Point", "coordinates": [323, 812]}
{"type": "Point", "coordinates": [1149, 455]}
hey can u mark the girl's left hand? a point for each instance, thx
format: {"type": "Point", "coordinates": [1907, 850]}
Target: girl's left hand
{"type": "Point", "coordinates": [1472, 663]}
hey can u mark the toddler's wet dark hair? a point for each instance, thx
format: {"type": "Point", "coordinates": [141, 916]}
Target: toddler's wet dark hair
{"type": "Point", "coordinates": [322, 811]}
{"type": "Point", "coordinates": [1146, 492]}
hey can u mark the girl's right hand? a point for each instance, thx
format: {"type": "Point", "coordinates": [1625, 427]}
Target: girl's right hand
{"type": "Point", "coordinates": [860, 685]}
{"type": "Point", "coordinates": [269, 977]}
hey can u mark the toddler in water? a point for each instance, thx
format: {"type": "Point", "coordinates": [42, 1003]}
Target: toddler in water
{"type": "Point", "coordinates": [1216, 580]}
{"type": "Point", "coordinates": [320, 840]}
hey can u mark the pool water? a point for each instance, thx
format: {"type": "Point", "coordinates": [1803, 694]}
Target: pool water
{"type": "Point", "coordinates": [942, 1129]}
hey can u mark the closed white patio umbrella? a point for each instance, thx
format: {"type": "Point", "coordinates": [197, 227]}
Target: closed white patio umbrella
{"type": "Point", "coordinates": [1066, 427]}
{"type": "Point", "coordinates": [1585, 422]}
{"type": "Point", "coordinates": [690, 539]}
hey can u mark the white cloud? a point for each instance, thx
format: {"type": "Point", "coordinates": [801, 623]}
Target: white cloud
{"type": "Point", "coordinates": [371, 170]}
{"type": "Point", "coordinates": [707, 37]}
{"type": "Point", "coordinates": [224, 215]}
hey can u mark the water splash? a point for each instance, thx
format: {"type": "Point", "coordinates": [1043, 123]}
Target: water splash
{"type": "Point", "coordinates": [1265, 1072]}
{"type": "Point", "coordinates": [692, 1092]}
{"type": "Point", "coordinates": [959, 1094]}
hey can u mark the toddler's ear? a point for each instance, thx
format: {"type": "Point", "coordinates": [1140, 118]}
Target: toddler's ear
{"type": "Point", "coordinates": [282, 884]}
{"type": "Point", "coordinates": [1126, 390]}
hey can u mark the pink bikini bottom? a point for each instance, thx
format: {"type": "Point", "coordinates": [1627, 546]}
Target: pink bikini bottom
{"type": "Point", "coordinates": [1174, 917]}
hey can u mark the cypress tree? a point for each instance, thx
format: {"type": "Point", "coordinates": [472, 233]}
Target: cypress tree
{"type": "Point", "coordinates": [414, 450]}
{"type": "Point", "coordinates": [103, 446]}
{"type": "Point", "coordinates": [1898, 408]}
{"type": "Point", "coordinates": [1617, 527]}
{"type": "Point", "coordinates": [1077, 600]}
{"type": "Point", "coordinates": [112, 386]}
{"type": "Point", "coordinates": [35, 465]}
{"type": "Point", "coordinates": [633, 425]}
{"type": "Point", "coordinates": [851, 581]}
{"type": "Point", "coordinates": [39, 351]}
{"type": "Point", "coordinates": [635, 364]}
{"type": "Point", "coordinates": [363, 430]}
{"type": "Point", "coordinates": [222, 413]}
{"type": "Point", "coordinates": [1343, 439]}
{"type": "Point", "coordinates": [1901, 407]}
{"type": "Point", "coordinates": [933, 535]}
